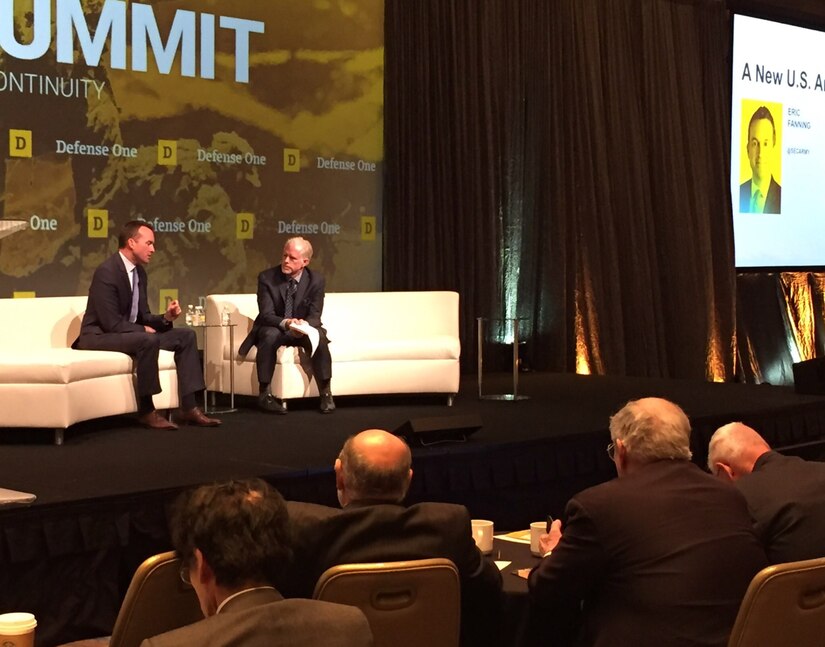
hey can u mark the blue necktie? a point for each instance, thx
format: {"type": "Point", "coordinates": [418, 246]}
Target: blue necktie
{"type": "Point", "coordinates": [135, 296]}
{"type": "Point", "coordinates": [758, 202]}
{"type": "Point", "coordinates": [291, 289]}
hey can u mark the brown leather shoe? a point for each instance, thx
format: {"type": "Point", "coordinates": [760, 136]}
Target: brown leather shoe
{"type": "Point", "coordinates": [195, 416]}
{"type": "Point", "coordinates": [153, 420]}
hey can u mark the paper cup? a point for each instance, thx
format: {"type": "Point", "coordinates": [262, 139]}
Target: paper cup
{"type": "Point", "coordinates": [483, 534]}
{"type": "Point", "coordinates": [17, 629]}
{"type": "Point", "coordinates": [537, 529]}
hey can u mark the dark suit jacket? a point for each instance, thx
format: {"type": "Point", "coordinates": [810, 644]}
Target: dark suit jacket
{"type": "Point", "coordinates": [786, 499]}
{"type": "Point", "coordinates": [110, 302]}
{"type": "Point", "coordinates": [773, 201]}
{"type": "Point", "coordinates": [379, 532]}
{"type": "Point", "coordinates": [264, 619]}
{"type": "Point", "coordinates": [308, 303]}
{"type": "Point", "coordinates": [658, 557]}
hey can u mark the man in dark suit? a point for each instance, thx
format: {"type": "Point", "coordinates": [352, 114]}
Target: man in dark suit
{"type": "Point", "coordinates": [290, 296]}
{"type": "Point", "coordinates": [118, 318]}
{"type": "Point", "coordinates": [762, 193]}
{"type": "Point", "coordinates": [660, 556]}
{"type": "Point", "coordinates": [785, 494]}
{"type": "Point", "coordinates": [233, 541]}
{"type": "Point", "coordinates": [372, 473]}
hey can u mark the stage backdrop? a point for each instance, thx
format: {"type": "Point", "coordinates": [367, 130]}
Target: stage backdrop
{"type": "Point", "coordinates": [229, 125]}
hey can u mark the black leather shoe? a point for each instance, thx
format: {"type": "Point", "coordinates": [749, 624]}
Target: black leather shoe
{"type": "Point", "coordinates": [327, 403]}
{"type": "Point", "coordinates": [268, 402]}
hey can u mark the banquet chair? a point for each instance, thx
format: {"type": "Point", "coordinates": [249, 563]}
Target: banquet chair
{"type": "Point", "coordinates": [784, 605]}
{"type": "Point", "coordinates": [156, 601]}
{"type": "Point", "coordinates": [408, 604]}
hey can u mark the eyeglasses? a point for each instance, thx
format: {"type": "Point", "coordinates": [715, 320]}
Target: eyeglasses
{"type": "Point", "coordinates": [184, 574]}
{"type": "Point", "coordinates": [611, 451]}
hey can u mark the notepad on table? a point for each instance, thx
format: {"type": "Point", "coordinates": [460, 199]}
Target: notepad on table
{"type": "Point", "coordinates": [15, 497]}
{"type": "Point", "coordinates": [517, 536]}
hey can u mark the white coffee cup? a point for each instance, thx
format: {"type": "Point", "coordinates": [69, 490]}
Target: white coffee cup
{"type": "Point", "coordinates": [483, 534]}
{"type": "Point", "coordinates": [17, 629]}
{"type": "Point", "coordinates": [537, 529]}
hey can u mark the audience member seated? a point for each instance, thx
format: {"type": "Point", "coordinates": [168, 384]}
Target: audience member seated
{"type": "Point", "coordinates": [373, 472]}
{"type": "Point", "coordinates": [661, 555]}
{"type": "Point", "coordinates": [232, 539]}
{"type": "Point", "coordinates": [785, 494]}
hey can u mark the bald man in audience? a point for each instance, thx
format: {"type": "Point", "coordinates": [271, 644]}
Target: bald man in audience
{"type": "Point", "coordinates": [662, 555]}
{"type": "Point", "coordinates": [785, 494]}
{"type": "Point", "coordinates": [372, 475]}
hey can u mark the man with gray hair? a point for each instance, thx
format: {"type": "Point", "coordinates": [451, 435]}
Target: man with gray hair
{"type": "Point", "coordinates": [785, 494]}
{"type": "Point", "coordinates": [661, 555]}
{"type": "Point", "coordinates": [372, 475]}
{"type": "Point", "coordinates": [290, 299]}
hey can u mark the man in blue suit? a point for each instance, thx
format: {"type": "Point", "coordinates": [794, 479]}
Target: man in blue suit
{"type": "Point", "coordinates": [118, 318]}
{"type": "Point", "coordinates": [762, 193]}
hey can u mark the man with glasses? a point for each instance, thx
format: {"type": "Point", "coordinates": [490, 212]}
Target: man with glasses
{"type": "Point", "coordinates": [233, 542]}
{"type": "Point", "coordinates": [661, 555]}
{"type": "Point", "coordinates": [785, 494]}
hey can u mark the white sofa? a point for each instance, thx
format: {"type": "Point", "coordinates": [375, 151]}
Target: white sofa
{"type": "Point", "coordinates": [380, 342]}
{"type": "Point", "coordinates": [46, 383]}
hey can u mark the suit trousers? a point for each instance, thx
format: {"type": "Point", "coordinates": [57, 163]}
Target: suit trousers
{"type": "Point", "coordinates": [144, 348]}
{"type": "Point", "coordinates": [271, 338]}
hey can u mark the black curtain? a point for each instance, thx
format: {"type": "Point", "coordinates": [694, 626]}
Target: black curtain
{"type": "Point", "coordinates": [567, 162]}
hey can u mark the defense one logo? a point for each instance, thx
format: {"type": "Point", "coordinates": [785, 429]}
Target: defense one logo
{"type": "Point", "coordinates": [368, 227]}
{"type": "Point", "coordinates": [97, 223]}
{"type": "Point", "coordinates": [292, 160]}
{"type": "Point", "coordinates": [20, 143]}
{"type": "Point", "coordinates": [245, 226]}
{"type": "Point", "coordinates": [167, 152]}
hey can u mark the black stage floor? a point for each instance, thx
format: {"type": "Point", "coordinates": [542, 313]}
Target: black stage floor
{"type": "Point", "coordinates": [114, 457]}
{"type": "Point", "coordinates": [102, 496]}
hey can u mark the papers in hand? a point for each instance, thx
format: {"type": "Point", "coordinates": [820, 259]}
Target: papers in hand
{"type": "Point", "coordinates": [14, 497]}
{"type": "Point", "coordinates": [309, 331]}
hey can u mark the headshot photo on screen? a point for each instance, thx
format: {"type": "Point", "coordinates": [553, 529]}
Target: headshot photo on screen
{"type": "Point", "coordinates": [762, 192]}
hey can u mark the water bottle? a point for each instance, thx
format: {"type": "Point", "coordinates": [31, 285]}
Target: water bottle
{"type": "Point", "coordinates": [190, 315]}
{"type": "Point", "coordinates": [225, 317]}
{"type": "Point", "coordinates": [200, 319]}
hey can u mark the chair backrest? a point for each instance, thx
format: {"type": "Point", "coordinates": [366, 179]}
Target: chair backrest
{"type": "Point", "coordinates": [784, 605]}
{"type": "Point", "coordinates": [156, 601]}
{"type": "Point", "coordinates": [408, 604]}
